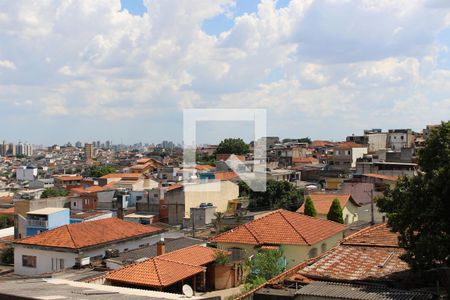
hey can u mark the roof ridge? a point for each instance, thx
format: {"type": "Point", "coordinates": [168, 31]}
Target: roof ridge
{"type": "Point", "coordinates": [176, 261]}
{"type": "Point", "coordinates": [295, 229]}
{"type": "Point", "coordinates": [70, 234]}
{"type": "Point", "coordinates": [156, 270]}
{"type": "Point", "coordinates": [252, 233]}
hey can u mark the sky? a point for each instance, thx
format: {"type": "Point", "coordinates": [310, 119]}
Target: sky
{"type": "Point", "coordinates": [125, 70]}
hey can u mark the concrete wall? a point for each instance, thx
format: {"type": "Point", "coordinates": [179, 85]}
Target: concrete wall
{"type": "Point", "coordinates": [294, 254]}
{"type": "Point", "coordinates": [44, 257]}
{"type": "Point", "coordinates": [357, 153]}
{"type": "Point", "coordinates": [377, 141]}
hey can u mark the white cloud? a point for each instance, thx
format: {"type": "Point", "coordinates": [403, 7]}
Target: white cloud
{"type": "Point", "coordinates": [7, 64]}
{"type": "Point", "coordinates": [316, 59]}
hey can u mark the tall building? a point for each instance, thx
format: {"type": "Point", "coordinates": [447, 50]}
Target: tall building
{"type": "Point", "coordinates": [89, 151]}
{"type": "Point", "coordinates": [11, 150]}
{"type": "Point", "coordinates": [24, 149]}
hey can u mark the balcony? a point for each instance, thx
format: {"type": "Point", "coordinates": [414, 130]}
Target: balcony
{"type": "Point", "coordinates": [37, 223]}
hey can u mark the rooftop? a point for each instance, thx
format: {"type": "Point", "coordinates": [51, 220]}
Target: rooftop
{"type": "Point", "coordinates": [297, 229]}
{"type": "Point", "coordinates": [151, 251]}
{"type": "Point", "coordinates": [47, 211]}
{"type": "Point", "coordinates": [333, 290]}
{"type": "Point", "coordinates": [87, 234]}
{"type": "Point", "coordinates": [322, 202]}
{"type": "Point", "coordinates": [166, 269]}
{"type": "Point", "coordinates": [122, 175]}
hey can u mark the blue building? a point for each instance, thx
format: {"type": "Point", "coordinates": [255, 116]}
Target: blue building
{"type": "Point", "coordinates": [47, 218]}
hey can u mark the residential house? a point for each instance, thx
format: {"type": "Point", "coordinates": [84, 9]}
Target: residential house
{"type": "Point", "coordinates": [375, 140]}
{"type": "Point", "coordinates": [168, 272]}
{"type": "Point", "coordinates": [149, 251]}
{"type": "Point", "coordinates": [345, 155]}
{"type": "Point", "coordinates": [43, 183]}
{"type": "Point", "coordinates": [116, 177]}
{"type": "Point", "coordinates": [180, 200]}
{"type": "Point", "coordinates": [46, 219]}
{"type": "Point", "coordinates": [85, 198]}
{"type": "Point", "coordinates": [145, 165]}
{"type": "Point", "coordinates": [399, 138]}
{"type": "Point", "coordinates": [365, 265]}
{"type": "Point", "coordinates": [386, 168]}
{"type": "Point", "coordinates": [68, 181]}
{"type": "Point", "coordinates": [23, 206]}
{"type": "Point", "coordinates": [28, 173]}
{"type": "Point", "coordinates": [78, 244]}
{"type": "Point", "coordinates": [322, 204]}
{"type": "Point", "coordinates": [300, 237]}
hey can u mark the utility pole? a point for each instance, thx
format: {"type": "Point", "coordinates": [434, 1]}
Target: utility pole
{"type": "Point", "coordinates": [371, 206]}
{"type": "Point", "coordinates": [193, 222]}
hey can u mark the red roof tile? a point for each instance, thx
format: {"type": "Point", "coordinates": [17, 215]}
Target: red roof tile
{"type": "Point", "coordinates": [382, 177]}
{"type": "Point", "coordinates": [122, 175]}
{"type": "Point", "coordinates": [86, 234]}
{"type": "Point", "coordinates": [68, 178]}
{"type": "Point", "coordinates": [7, 211]}
{"type": "Point", "coordinates": [225, 175]}
{"type": "Point", "coordinates": [166, 269]}
{"type": "Point", "coordinates": [322, 202]}
{"type": "Point", "coordinates": [377, 235]}
{"type": "Point", "coordinates": [297, 229]}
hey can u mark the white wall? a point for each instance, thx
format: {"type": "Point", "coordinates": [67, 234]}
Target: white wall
{"type": "Point", "coordinates": [44, 257]}
{"type": "Point", "coordinates": [357, 153]}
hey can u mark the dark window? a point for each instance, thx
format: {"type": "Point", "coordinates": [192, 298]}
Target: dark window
{"type": "Point", "coordinates": [29, 261]}
{"type": "Point", "coordinates": [237, 253]}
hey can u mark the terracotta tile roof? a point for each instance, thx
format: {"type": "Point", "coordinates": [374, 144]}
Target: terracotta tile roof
{"type": "Point", "coordinates": [174, 187]}
{"type": "Point", "coordinates": [321, 143]}
{"type": "Point", "coordinates": [305, 160]}
{"type": "Point", "coordinates": [166, 269]}
{"type": "Point", "coordinates": [7, 211]}
{"type": "Point", "coordinates": [86, 234]}
{"type": "Point", "coordinates": [68, 178]}
{"type": "Point", "coordinates": [204, 167]}
{"type": "Point", "coordinates": [377, 235]}
{"type": "Point", "coordinates": [357, 263]}
{"type": "Point", "coordinates": [88, 190]}
{"type": "Point", "coordinates": [322, 202]}
{"type": "Point", "coordinates": [154, 272]}
{"type": "Point", "coordinates": [297, 229]}
{"type": "Point", "coordinates": [349, 145]}
{"type": "Point", "coordinates": [225, 175]}
{"type": "Point", "coordinates": [122, 175]}
{"type": "Point", "coordinates": [6, 199]}
{"type": "Point", "coordinates": [382, 177]}
{"type": "Point", "coordinates": [370, 254]}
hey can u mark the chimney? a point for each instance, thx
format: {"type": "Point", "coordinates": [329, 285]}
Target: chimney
{"type": "Point", "coordinates": [160, 247]}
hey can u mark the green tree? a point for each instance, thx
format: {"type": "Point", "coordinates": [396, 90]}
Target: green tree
{"type": "Point", "coordinates": [335, 212]}
{"type": "Point", "coordinates": [54, 192]}
{"type": "Point", "coordinates": [310, 210]}
{"type": "Point", "coordinates": [99, 171]}
{"type": "Point", "coordinates": [265, 265]}
{"type": "Point", "coordinates": [278, 194]}
{"type": "Point", "coordinates": [232, 146]}
{"type": "Point", "coordinates": [4, 222]}
{"type": "Point", "coordinates": [418, 207]}
{"type": "Point", "coordinates": [7, 255]}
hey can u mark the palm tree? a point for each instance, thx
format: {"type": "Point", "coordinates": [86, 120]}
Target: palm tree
{"type": "Point", "coordinates": [218, 222]}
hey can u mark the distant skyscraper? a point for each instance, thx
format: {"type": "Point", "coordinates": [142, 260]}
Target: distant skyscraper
{"type": "Point", "coordinates": [11, 150]}
{"type": "Point", "coordinates": [24, 149]}
{"type": "Point", "coordinates": [78, 144]}
{"type": "Point", "coordinates": [89, 151]}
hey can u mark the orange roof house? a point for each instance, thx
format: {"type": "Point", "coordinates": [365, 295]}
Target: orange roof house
{"type": "Point", "coordinates": [299, 236]}
{"type": "Point", "coordinates": [371, 254]}
{"type": "Point", "coordinates": [322, 204]}
{"type": "Point", "coordinates": [78, 244]}
{"type": "Point", "coordinates": [168, 271]}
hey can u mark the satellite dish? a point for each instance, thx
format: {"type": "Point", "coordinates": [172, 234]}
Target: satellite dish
{"type": "Point", "coordinates": [187, 291]}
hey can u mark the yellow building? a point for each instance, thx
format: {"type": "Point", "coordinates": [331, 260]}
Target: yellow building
{"type": "Point", "coordinates": [299, 237]}
{"type": "Point", "coordinates": [322, 204]}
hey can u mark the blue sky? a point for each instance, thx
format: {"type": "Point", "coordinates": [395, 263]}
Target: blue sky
{"type": "Point", "coordinates": [124, 70]}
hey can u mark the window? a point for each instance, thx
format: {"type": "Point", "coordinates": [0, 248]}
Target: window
{"type": "Point", "coordinates": [29, 261]}
{"type": "Point", "coordinates": [323, 248]}
{"type": "Point", "coordinates": [143, 245]}
{"type": "Point", "coordinates": [236, 253]}
{"type": "Point", "coordinates": [312, 253]}
{"type": "Point", "coordinates": [74, 204]}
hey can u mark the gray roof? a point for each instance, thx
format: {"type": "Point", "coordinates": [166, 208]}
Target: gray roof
{"type": "Point", "coordinates": [332, 290]}
{"type": "Point", "coordinates": [150, 251]}
{"type": "Point", "coordinates": [71, 290]}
